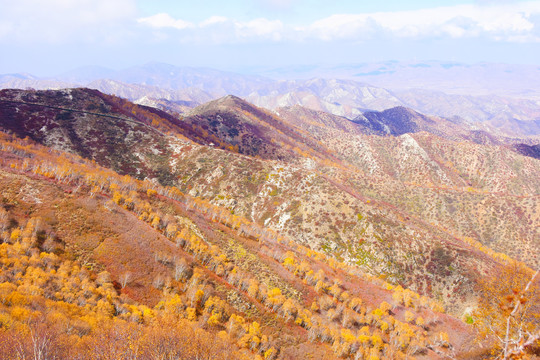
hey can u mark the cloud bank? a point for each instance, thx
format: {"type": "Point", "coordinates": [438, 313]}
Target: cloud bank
{"type": "Point", "coordinates": [61, 21]}
{"type": "Point", "coordinates": [59, 34]}
{"type": "Point", "coordinates": [512, 22]}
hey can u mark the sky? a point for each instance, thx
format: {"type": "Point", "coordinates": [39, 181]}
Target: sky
{"type": "Point", "coordinates": [48, 37]}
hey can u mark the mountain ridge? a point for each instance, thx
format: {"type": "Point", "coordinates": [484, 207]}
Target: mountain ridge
{"type": "Point", "coordinates": [309, 237]}
{"type": "Point", "coordinates": [507, 115]}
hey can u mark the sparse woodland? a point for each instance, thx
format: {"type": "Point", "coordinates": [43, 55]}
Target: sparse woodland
{"type": "Point", "coordinates": [99, 265]}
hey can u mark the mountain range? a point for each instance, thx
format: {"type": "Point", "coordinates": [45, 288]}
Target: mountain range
{"type": "Point", "coordinates": [281, 232]}
{"type": "Point", "coordinates": [506, 113]}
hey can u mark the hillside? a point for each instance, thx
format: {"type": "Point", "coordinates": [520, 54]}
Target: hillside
{"type": "Point", "coordinates": [297, 221]}
{"type": "Point", "coordinates": [268, 193]}
{"type": "Point", "coordinates": [187, 260]}
{"type": "Point", "coordinates": [420, 168]}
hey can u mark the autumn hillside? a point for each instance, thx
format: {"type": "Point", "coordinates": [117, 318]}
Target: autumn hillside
{"type": "Point", "coordinates": [289, 234]}
{"type": "Point", "coordinates": [68, 223]}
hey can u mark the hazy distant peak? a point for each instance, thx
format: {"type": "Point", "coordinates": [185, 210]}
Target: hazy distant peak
{"type": "Point", "coordinates": [226, 103]}
{"type": "Point", "coordinates": [396, 121]}
{"type": "Point", "coordinates": [86, 74]}
{"type": "Point", "coordinates": [230, 98]}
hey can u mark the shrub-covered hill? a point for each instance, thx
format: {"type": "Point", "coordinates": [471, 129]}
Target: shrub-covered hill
{"type": "Point", "coordinates": [89, 254]}
{"type": "Point", "coordinates": [392, 205]}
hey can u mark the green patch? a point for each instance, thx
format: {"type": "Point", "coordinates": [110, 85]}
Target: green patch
{"type": "Point", "coordinates": [325, 247]}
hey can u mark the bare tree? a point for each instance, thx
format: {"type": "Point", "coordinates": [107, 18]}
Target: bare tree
{"type": "Point", "coordinates": [3, 219]}
{"type": "Point", "coordinates": [517, 337]}
{"type": "Point", "coordinates": [181, 270]}
{"type": "Point", "coordinates": [508, 311]}
{"type": "Point", "coordinates": [125, 278]}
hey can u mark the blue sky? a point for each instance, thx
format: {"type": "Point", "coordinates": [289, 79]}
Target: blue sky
{"type": "Point", "coordinates": [46, 37]}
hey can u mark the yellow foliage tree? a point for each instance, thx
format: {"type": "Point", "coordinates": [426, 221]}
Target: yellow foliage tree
{"type": "Point", "coordinates": [509, 311]}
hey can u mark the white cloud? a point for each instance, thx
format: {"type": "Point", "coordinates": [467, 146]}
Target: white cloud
{"type": "Point", "coordinates": [217, 29]}
{"type": "Point", "coordinates": [260, 28]}
{"type": "Point", "coordinates": [213, 20]}
{"type": "Point", "coordinates": [56, 21]}
{"type": "Point", "coordinates": [102, 21]}
{"type": "Point", "coordinates": [165, 21]}
{"type": "Point", "coordinates": [340, 27]}
{"type": "Point", "coordinates": [500, 21]}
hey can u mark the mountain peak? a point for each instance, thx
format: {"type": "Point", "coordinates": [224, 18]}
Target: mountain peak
{"type": "Point", "coordinates": [231, 99]}
{"type": "Point", "coordinates": [226, 103]}
{"type": "Point", "coordinates": [394, 121]}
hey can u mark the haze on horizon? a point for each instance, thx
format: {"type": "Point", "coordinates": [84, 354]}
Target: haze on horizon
{"type": "Point", "coordinates": [50, 37]}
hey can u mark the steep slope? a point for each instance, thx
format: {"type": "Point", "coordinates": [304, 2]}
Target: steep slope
{"type": "Point", "coordinates": [414, 169]}
{"type": "Point", "coordinates": [237, 124]}
{"type": "Point", "coordinates": [396, 121]}
{"type": "Point", "coordinates": [190, 263]}
{"type": "Point", "coordinates": [253, 131]}
{"type": "Point", "coordinates": [390, 205]}
{"type": "Point", "coordinates": [528, 150]}
{"type": "Point", "coordinates": [92, 125]}
{"type": "Point", "coordinates": [135, 141]}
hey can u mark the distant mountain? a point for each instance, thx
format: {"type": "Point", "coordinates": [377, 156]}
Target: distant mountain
{"type": "Point", "coordinates": [506, 115]}
{"type": "Point", "coordinates": [395, 121]}
{"type": "Point", "coordinates": [528, 150]}
{"type": "Point", "coordinates": [400, 120]}
{"type": "Point", "coordinates": [509, 116]}
{"type": "Point", "coordinates": [170, 106]}
{"type": "Point", "coordinates": [27, 81]}
{"type": "Point", "coordinates": [8, 77]}
{"type": "Point", "coordinates": [86, 74]}
{"type": "Point", "coordinates": [171, 77]}
{"type": "Point", "coordinates": [137, 91]}
{"type": "Point", "coordinates": [147, 79]}
{"type": "Point", "coordinates": [505, 80]}
{"type": "Point", "coordinates": [341, 97]}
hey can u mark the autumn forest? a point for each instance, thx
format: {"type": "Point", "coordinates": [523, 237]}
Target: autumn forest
{"type": "Point", "coordinates": [234, 232]}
